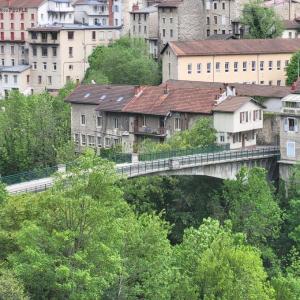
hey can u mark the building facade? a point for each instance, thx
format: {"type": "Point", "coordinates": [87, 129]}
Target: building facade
{"type": "Point", "coordinates": [244, 61]}
{"type": "Point", "coordinates": [59, 54]}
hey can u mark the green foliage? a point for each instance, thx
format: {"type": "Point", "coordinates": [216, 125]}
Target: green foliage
{"type": "Point", "coordinates": [33, 130]}
{"type": "Point", "coordinates": [218, 265]}
{"type": "Point", "coordinates": [126, 61]}
{"type": "Point", "coordinates": [200, 135]}
{"type": "Point", "coordinates": [250, 204]}
{"type": "Point", "coordinates": [293, 68]}
{"type": "Point", "coordinates": [10, 287]}
{"type": "Point", "coordinates": [261, 22]}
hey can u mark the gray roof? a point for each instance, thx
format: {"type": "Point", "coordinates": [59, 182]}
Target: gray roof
{"type": "Point", "coordinates": [59, 27]}
{"type": "Point", "coordinates": [14, 69]}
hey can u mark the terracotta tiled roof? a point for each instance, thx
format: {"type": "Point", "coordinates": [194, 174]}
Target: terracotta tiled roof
{"type": "Point", "coordinates": [231, 104]}
{"type": "Point", "coordinates": [234, 47]}
{"type": "Point", "coordinates": [251, 90]}
{"type": "Point", "coordinates": [154, 100]}
{"type": "Point", "coordinates": [20, 3]}
{"type": "Point", "coordinates": [107, 97]}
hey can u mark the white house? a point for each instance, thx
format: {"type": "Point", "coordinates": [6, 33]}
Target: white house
{"type": "Point", "coordinates": [237, 120]}
{"type": "Point", "coordinates": [14, 78]}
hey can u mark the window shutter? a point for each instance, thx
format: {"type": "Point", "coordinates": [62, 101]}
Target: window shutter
{"type": "Point", "coordinates": [286, 124]}
{"type": "Point", "coordinates": [296, 125]}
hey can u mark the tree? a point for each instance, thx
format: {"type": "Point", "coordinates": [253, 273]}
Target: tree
{"type": "Point", "coordinates": [261, 22]}
{"type": "Point", "coordinates": [293, 68]}
{"type": "Point", "coordinates": [33, 130]}
{"type": "Point", "coordinates": [250, 204]}
{"type": "Point", "coordinates": [126, 61]}
{"type": "Point", "coordinates": [217, 264]}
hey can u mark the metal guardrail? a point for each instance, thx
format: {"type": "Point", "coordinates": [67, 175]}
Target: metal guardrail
{"type": "Point", "coordinates": [143, 168]}
{"type": "Point", "coordinates": [174, 163]}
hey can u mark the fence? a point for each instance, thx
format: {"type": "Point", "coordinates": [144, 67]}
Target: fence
{"type": "Point", "coordinates": [117, 158]}
{"type": "Point", "coordinates": [182, 152]}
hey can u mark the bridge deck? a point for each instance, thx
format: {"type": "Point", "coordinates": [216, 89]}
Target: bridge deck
{"type": "Point", "coordinates": [161, 166]}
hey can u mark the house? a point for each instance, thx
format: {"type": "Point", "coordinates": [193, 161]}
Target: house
{"type": "Point", "coordinates": [291, 29]}
{"type": "Point", "coordinates": [237, 120]}
{"type": "Point", "coordinates": [244, 61]}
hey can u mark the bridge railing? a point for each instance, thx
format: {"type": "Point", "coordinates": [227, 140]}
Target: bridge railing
{"type": "Point", "coordinates": [182, 152]}
{"type": "Point", "coordinates": [146, 167]}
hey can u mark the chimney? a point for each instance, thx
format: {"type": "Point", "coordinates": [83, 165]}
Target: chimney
{"type": "Point", "coordinates": [233, 90]}
{"type": "Point", "coordinates": [137, 90]}
{"type": "Point", "coordinates": [135, 7]}
{"type": "Point", "coordinates": [166, 90]}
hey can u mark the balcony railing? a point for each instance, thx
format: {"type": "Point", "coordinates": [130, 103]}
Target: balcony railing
{"type": "Point", "coordinates": [291, 110]}
{"type": "Point", "coordinates": [144, 130]}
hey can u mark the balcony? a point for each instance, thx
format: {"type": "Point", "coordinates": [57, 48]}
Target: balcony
{"type": "Point", "coordinates": [291, 110]}
{"type": "Point", "coordinates": [144, 130]}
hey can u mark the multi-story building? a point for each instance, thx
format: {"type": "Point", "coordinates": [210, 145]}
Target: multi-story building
{"type": "Point", "coordinates": [244, 61]}
{"type": "Point", "coordinates": [56, 11]}
{"type": "Point", "coordinates": [144, 24]}
{"type": "Point", "coordinates": [15, 78]}
{"type": "Point", "coordinates": [286, 9]}
{"type": "Point", "coordinates": [59, 53]}
{"type": "Point", "coordinates": [92, 12]}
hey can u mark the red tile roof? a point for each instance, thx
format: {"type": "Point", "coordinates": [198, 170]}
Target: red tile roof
{"type": "Point", "coordinates": [242, 89]}
{"type": "Point", "coordinates": [231, 104]}
{"type": "Point", "coordinates": [20, 3]}
{"type": "Point", "coordinates": [153, 100]}
{"type": "Point", "coordinates": [234, 47]}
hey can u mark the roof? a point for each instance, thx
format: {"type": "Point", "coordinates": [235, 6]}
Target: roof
{"type": "Point", "coordinates": [231, 104]}
{"type": "Point", "coordinates": [291, 24]}
{"type": "Point", "coordinates": [60, 27]}
{"type": "Point", "coordinates": [155, 101]}
{"type": "Point", "coordinates": [233, 47]}
{"type": "Point", "coordinates": [145, 10]}
{"type": "Point", "coordinates": [14, 69]}
{"type": "Point", "coordinates": [221, 37]}
{"type": "Point", "coordinates": [88, 2]}
{"type": "Point", "coordinates": [170, 3]}
{"type": "Point", "coordinates": [242, 89]}
{"type": "Point", "coordinates": [291, 98]}
{"type": "Point", "coordinates": [107, 97]}
{"type": "Point", "coordinates": [20, 3]}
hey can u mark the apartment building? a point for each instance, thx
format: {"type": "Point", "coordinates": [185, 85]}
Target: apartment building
{"type": "Point", "coordinates": [244, 61]}
{"type": "Point", "coordinates": [144, 24]}
{"type": "Point", "coordinates": [60, 53]}
{"type": "Point", "coordinates": [93, 12]}
{"type": "Point", "coordinates": [14, 78]}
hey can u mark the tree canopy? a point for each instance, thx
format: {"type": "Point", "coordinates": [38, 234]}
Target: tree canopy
{"type": "Point", "coordinates": [261, 22]}
{"type": "Point", "coordinates": [126, 61]}
{"type": "Point", "coordinates": [293, 68]}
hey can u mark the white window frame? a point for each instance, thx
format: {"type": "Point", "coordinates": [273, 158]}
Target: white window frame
{"type": "Point", "coordinates": [189, 68]}
{"type": "Point", "coordinates": [177, 124]}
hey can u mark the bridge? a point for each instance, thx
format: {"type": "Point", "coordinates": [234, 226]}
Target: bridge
{"type": "Point", "coordinates": [223, 164]}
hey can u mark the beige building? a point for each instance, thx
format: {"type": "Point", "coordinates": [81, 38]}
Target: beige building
{"type": "Point", "coordinates": [59, 54]}
{"type": "Point", "coordinates": [244, 61]}
{"type": "Point", "coordinates": [144, 24]}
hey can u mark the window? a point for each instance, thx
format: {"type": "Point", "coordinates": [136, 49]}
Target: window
{"type": "Point", "coordinates": [256, 115]}
{"type": "Point", "coordinates": [164, 20]}
{"type": "Point", "coordinates": [12, 26]}
{"type": "Point", "coordinates": [171, 32]}
{"type": "Point", "coordinates": [44, 66]}
{"type": "Point", "coordinates": [278, 82]}
{"type": "Point", "coordinates": [54, 66]}
{"type": "Point", "coordinates": [83, 139]}
{"type": "Point", "coordinates": [34, 65]}
{"type": "Point", "coordinates": [164, 32]}
{"type": "Point", "coordinates": [54, 51]}
{"type": "Point", "coordinates": [15, 79]}
{"type": "Point", "coordinates": [70, 35]}
{"type": "Point", "coordinates": [12, 16]}
{"type": "Point", "coordinates": [99, 142]}
{"type": "Point", "coordinates": [222, 137]}
{"type": "Point", "coordinates": [270, 82]}
{"type": "Point", "coordinates": [34, 51]}
{"type": "Point", "coordinates": [2, 49]}
{"type": "Point", "coordinates": [218, 67]}
{"type": "Point", "coordinates": [44, 36]}
{"type": "Point", "coordinates": [244, 117]}
{"type": "Point", "coordinates": [261, 65]}
{"type": "Point", "coordinates": [6, 78]}
{"type": "Point", "coordinates": [215, 19]}
{"type": "Point", "coordinates": [107, 142]}
{"type": "Point", "coordinates": [291, 124]}
{"type": "Point", "coordinates": [32, 16]}
{"type": "Point", "coordinates": [215, 5]}
{"type": "Point", "coordinates": [76, 138]}
{"type": "Point", "coordinates": [278, 64]}
{"type": "Point", "coordinates": [33, 35]}
{"type": "Point", "coordinates": [286, 63]}
{"type": "Point", "coordinates": [177, 124]}
{"type": "Point", "coordinates": [244, 66]}
{"type": "Point", "coordinates": [39, 79]}
{"type": "Point", "coordinates": [68, 78]}
{"type": "Point", "coordinates": [253, 65]}
{"type": "Point", "coordinates": [93, 35]}
{"type": "Point", "coordinates": [12, 36]}
{"type": "Point", "coordinates": [171, 20]}
{"type": "Point", "coordinates": [207, 32]}
{"type": "Point", "coordinates": [44, 51]}
{"type": "Point", "coordinates": [13, 62]}
{"type": "Point", "coordinates": [189, 68]}
{"type": "Point", "coordinates": [49, 80]}
{"type": "Point", "coordinates": [91, 140]}
{"type": "Point", "coordinates": [270, 65]}
{"type": "Point", "coordinates": [223, 5]}
{"type": "Point", "coordinates": [70, 52]}
{"type": "Point", "coordinates": [82, 120]}
{"type": "Point", "coordinates": [198, 68]}
{"type": "Point", "coordinates": [262, 82]}
{"type": "Point", "coordinates": [290, 149]}
{"type": "Point", "coordinates": [227, 67]}
{"type": "Point", "coordinates": [54, 36]}
{"type": "Point", "coordinates": [22, 16]}
{"type": "Point", "coordinates": [70, 67]}
{"type": "Point", "coordinates": [208, 67]}
{"type": "Point", "coordinates": [2, 62]}
{"type": "Point", "coordinates": [99, 121]}
{"type": "Point", "coordinates": [144, 121]}
{"type": "Point", "coordinates": [12, 50]}
{"type": "Point", "coordinates": [207, 21]}
{"type": "Point", "coordinates": [116, 123]}
{"type": "Point", "coordinates": [236, 66]}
